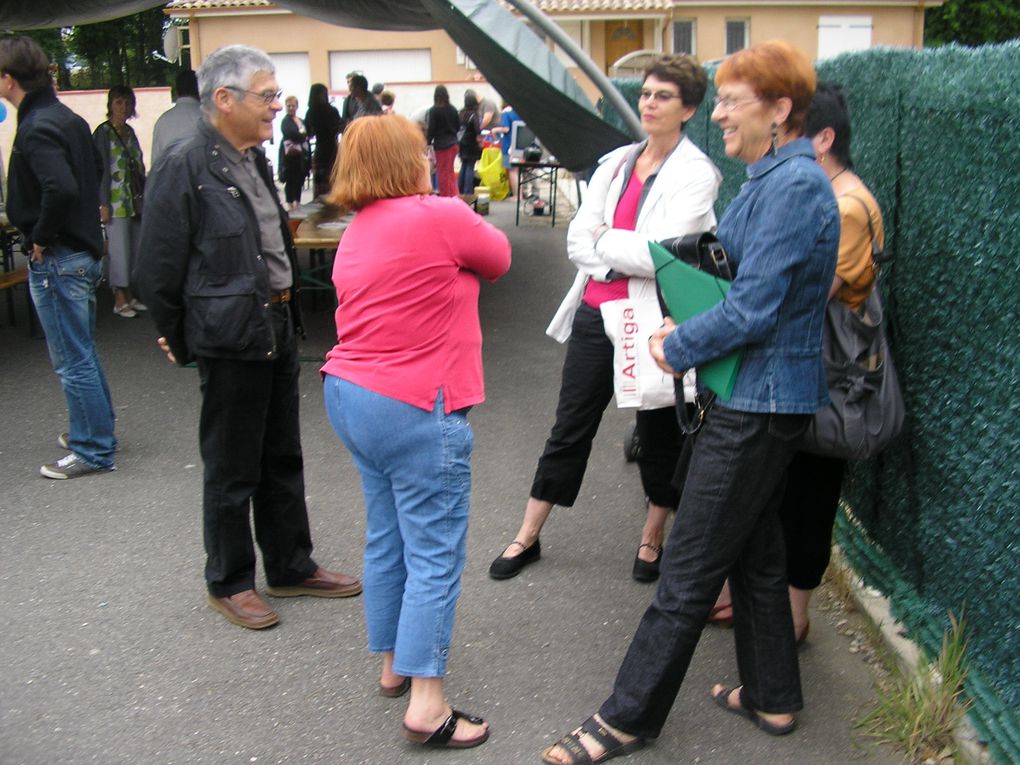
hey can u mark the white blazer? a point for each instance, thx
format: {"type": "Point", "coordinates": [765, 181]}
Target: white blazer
{"type": "Point", "coordinates": [679, 202]}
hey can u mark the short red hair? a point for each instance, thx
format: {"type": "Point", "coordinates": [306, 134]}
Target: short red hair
{"type": "Point", "coordinates": [381, 157]}
{"type": "Point", "coordinates": [774, 70]}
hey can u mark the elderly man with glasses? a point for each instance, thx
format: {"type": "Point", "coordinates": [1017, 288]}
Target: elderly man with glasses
{"type": "Point", "coordinates": [218, 272]}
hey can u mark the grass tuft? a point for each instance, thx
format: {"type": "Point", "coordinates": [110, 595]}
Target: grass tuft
{"type": "Point", "coordinates": [919, 713]}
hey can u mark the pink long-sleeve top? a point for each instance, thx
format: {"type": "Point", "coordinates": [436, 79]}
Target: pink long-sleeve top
{"type": "Point", "coordinates": [406, 277]}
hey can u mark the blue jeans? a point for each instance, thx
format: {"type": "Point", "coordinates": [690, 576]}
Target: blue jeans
{"type": "Point", "coordinates": [727, 525]}
{"type": "Point", "coordinates": [415, 471]}
{"type": "Point", "coordinates": [63, 290]}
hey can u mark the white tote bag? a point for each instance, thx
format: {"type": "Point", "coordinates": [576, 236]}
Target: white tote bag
{"type": "Point", "coordinates": [637, 380]}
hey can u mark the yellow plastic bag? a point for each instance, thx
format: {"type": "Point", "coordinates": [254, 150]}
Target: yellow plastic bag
{"type": "Point", "coordinates": [493, 174]}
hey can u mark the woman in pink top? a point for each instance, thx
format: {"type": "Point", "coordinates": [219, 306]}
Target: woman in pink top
{"type": "Point", "coordinates": [406, 369]}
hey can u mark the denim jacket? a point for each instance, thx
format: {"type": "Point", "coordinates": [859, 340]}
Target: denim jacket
{"type": "Point", "coordinates": [782, 232]}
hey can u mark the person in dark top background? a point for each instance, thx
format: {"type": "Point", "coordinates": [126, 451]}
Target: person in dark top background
{"type": "Point", "coordinates": [322, 121]}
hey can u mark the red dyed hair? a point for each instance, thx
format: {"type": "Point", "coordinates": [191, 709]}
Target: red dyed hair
{"type": "Point", "coordinates": [774, 70]}
{"type": "Point", "coordinates": [381, 157]}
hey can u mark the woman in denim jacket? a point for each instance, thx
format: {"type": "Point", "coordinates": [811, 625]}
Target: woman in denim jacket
{"type": "Point", "coordinates": [782, 232]}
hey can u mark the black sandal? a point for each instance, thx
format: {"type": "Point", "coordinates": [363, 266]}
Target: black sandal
{"type": "Point", "coordinates": [442, 737]}
{"type": "Point", "coordinates": [571, 744]}
{"type": "Point", "coordinates": [723, 699]}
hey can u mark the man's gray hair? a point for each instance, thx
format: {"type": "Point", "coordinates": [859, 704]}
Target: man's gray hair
{"type": "Point", "coordinates": [233, 66]}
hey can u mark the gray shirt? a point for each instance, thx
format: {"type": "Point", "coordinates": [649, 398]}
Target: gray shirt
{"type": "Point", "coordinates": [176, 124]}
{"type": "Point", "coordinates": [267, 211]}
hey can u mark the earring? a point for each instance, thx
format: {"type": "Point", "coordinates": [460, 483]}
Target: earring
{"type": "Point", "coordinates": [775, 137]}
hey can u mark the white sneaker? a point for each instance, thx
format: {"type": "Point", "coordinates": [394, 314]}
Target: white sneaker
{"type": "Point", "coordinates": [125, 311]}
{"type": "Point", "coordinates": [138, 305]}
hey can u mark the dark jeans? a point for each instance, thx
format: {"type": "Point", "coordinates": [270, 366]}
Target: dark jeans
{"type": "Point", "coordinates": [808, 512]}
{"type": "Point", "coordinates": [726, 525]}
{"type": "Point", "coordinates": [250, 441]}
{"type": "Point", "coordinates": [466, 179]}
{"type": "Point", "coordinates": [585, 391]}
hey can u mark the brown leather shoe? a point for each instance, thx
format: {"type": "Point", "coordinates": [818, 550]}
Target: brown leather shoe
{"type": "Point", "coordinates": [321, 584]}
{"type": "Point", "coordinates": [245, 609]}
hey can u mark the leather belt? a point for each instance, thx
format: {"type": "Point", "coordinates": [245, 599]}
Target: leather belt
{"type": "Point", "coordinates": [280, 297]}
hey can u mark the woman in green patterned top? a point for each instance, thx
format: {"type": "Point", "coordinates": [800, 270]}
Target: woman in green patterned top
{"type": "Point", "coordinates": [120, 194]}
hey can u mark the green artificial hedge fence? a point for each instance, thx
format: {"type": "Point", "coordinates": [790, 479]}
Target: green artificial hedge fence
{"type": "Point", "coordinates": [934, 522]}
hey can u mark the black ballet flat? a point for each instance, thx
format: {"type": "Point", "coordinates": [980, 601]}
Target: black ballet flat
{"type": "Point", "coordinates": [647, 571]}
{"type": "Point", "coordinates": [507, 568]}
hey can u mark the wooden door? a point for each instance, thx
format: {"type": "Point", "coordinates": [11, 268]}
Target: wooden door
{"type": "Point", "coordinates": [623, 37]}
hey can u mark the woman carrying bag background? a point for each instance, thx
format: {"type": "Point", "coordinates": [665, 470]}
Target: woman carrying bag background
{"type": "Point", "coordinates": [120, 194]}
{"type": "Point", "coordinates": [294, 154]}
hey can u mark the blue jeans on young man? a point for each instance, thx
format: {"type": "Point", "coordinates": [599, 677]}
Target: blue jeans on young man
{"type": "Point", "coordinates": [727, 525]}
{"type": "Point", "coordinates": [63, 290]}
{"type": "Point", "coordinates": [415, 468]}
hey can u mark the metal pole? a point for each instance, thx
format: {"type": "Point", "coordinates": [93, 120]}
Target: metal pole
{"type": "Point", "coordinates": [585, 63]}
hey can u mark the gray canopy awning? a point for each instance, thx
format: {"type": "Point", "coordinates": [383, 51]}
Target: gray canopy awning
{"type": "Point", "coordinates": [512, 57]}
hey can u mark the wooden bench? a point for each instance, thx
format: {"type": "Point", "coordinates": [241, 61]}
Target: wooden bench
{"type": "Point", "coordinates": [9, 280]}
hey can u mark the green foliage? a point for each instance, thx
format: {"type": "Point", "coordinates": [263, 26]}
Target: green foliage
{"type": "Point", "coordinates": [118, 52]}
{"type": "Point", "coordinates": [919, 713]}
{"type": "Point", "coordinates": [972, 22]}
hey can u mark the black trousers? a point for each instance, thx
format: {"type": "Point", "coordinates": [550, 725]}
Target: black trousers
{"type": "Point", "coordinates": [808, 512]}
{"type": "Point", "coordinates": [292, 187]}
{"type": "Point", "coordinates": [585, 391]}
{"type": "Point", "coordinates": [726, 526]}
{"type": "Point", "coordinates": [250, 440]}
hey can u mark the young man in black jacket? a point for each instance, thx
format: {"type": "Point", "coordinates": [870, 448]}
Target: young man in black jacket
{"type": "Point", "coordinates": [217, 270]}
{"type": "Point", "coordinates": [53, 199]}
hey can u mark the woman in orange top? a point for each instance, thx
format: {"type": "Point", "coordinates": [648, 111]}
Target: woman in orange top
{"type": "Point", "coordinates": [808, 509]}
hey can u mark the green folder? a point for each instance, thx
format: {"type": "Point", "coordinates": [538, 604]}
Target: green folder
{"type": "Point", "coordinates": [689, 292]}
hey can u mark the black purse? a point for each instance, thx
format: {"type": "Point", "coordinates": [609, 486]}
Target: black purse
{"type": "Point", "coordinates": [704, 252]}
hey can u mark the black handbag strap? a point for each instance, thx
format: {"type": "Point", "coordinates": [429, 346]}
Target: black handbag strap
{"type": "Point", "coordinates": [133, 165]}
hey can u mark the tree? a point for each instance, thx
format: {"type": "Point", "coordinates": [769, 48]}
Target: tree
{"type": "Point", "coordinates": [972, 22]}
{"type": "Point", "coordinates": [119, 52]}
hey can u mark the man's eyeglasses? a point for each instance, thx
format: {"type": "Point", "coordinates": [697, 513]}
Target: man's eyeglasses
{"type": "Point", "coordinates": [728, 103]}
{"type": "Point", "coordinates": [658, 95]}
{"type": "Point", "coordinates": [267, 96]}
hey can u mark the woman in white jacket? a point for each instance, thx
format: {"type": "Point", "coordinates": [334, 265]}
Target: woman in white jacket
{"type": "Point", "coordinates": [660, 188]}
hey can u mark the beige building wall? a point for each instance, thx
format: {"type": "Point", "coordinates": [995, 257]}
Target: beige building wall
{"type": "Point", "coordinates": [91, 106]}
{"type": "Point", "coordinates": [799, 26]}
{"type": "Point", "coordinates": [319, 39]}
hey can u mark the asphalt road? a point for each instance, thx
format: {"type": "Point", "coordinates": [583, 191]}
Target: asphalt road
{"type": "Point", "coordinates": [110, 655]}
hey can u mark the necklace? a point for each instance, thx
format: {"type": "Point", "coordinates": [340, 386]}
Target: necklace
{"type": "Point", "coordinates": [834, 177]}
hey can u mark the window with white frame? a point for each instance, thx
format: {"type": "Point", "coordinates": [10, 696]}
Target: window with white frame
{"type": "Point", "coordinates": [736, 35]}
{"type": "Point", "coordinates": [683, 36]}
{"type": "Point", "coordinates": [463, 60]}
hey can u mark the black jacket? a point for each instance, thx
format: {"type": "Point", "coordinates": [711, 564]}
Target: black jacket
{"type": "Point", "coordinates": [443, 126]}
{"type": "Point", "coordinates": [200, 268]}
{"type": "Point", "coordinates": [53, 182]}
